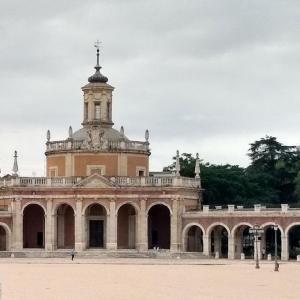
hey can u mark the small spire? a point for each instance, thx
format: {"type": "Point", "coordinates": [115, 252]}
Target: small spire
{"type": "Point", "coordinates": [15, 167]}
{"type": "Point", "coordinates": [97, 77]}
{"type": "Point", "coordinates": [177, 165]}
{"type": "Point", "coordinates": [70, 132]}
{"type": "Point", "coordinates": [197, 167]}
{"type": "Point", "coordinates": [147, 135]}
{"type": "Point", "coordinates": [48, 135]}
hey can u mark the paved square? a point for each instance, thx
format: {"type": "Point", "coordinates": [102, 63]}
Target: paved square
{"type": "Point", "coordinates": [144, 279]}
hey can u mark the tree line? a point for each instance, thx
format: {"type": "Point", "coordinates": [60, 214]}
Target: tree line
{"type": "Point", "coordinates": [273, 176]}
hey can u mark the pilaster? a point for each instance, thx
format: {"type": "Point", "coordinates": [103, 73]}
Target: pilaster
{"type": "Point", "coordinates": [231, 247]}
{"type": "Point", "coordinates": [142, 228]}
{"type": "Point", "coordinates": [174, 226]}
{"type": "Point", "coordinates": [206, 245]}
{"type": "Point", "coordinates": [284, 248]}
{"type": "Point", "coordinates": [49, 232]}
{"type": "Point", "coordinates": [17, 225]}
{"type": "Point", "coordinates": [79, 243]}
{"type": "Point", "coordinates": [112, 229]}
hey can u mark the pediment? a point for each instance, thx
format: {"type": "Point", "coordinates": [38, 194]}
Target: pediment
{"type": "Point", "coordinates": [95, 180]}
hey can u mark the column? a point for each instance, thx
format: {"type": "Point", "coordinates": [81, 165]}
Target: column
{"type": "Point", "coordinates": [17, 225]}
{"type": "Point", "coordinates": [258, 247]}
{"type": "Point", "coordinates": [284, 248]}
{"type": "Point", "coordinates": [206, 245]}
{"type": "Point", "coordinates": [48, 228]}
{"type": "Point", "coordinates": [231, 246]}
{"type": "Point", "coordinates": [142, 244]}
{"type": "Point", "coordinates": [79, 243]}
{"type": "Point", "coordinates": [112, 230]}
{"type": "Point", "coordinates": [174, 226]}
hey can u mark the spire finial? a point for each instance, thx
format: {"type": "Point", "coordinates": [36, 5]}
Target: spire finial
{"type": "Point", "coordinates": [97, 77]}
{"type": "Point", "coordinates": [15, 167]}
{"type": "Point", "coordinates": [97, 46]}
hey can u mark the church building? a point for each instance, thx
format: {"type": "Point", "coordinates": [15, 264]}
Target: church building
{"type": "Point", "coordinates": [100, 198]}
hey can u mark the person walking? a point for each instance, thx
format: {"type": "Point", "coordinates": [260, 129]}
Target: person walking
{"type": "Point", "coordinates": [72, 254]}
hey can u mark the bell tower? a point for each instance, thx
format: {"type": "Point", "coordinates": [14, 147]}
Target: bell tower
{"type": "Point", "coordinates": [97, 99]}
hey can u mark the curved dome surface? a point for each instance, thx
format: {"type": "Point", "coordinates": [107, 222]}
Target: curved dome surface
{"type": "Point", "coordinates": [109, 134]}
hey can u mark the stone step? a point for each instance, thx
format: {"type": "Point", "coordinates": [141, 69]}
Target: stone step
{"type": "Point", "coordinates": [38, 253]}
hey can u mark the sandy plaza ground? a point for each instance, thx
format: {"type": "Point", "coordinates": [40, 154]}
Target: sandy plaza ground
{"type": "Point", "coordinates": [43, 279]}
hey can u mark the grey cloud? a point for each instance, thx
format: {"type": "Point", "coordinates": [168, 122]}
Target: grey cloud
{"type": "Point", "coordinates": [189, 71]}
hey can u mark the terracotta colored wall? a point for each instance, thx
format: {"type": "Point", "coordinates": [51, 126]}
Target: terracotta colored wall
{"type": "Point", "coordinates": [109, 161]}
{"type": "Point", "coordinates": [57, 161]}
{"type": "Point", "coordinates": [136, 161]}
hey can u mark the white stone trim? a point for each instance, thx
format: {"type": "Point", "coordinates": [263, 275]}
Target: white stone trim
{"type": "Point", "coordinates": [290, 226]}
{"type": "Point", "coordinates": [135, 206]}
{"type": "Point", "coordinates": [55, 169]}
{"type": "Point", "coordinates": [271, 224]}
{"type": "Point", "coordinates": [157, 203]}
{"type": "Point", "coordinates": [93, 203]}
{"type": "Point", "coordinates": [8, 235]}
{"type": "Point", "coordinates": [89, 169]}
{"type": "Point", "coordinates": [185, 231]}
{"type": "Point", "coordinates": [34, 202]}
{"type": "Point", "coordinates": [235, 227]}
{"type": "Point", "coordinates": [140, 168]}
{"type": "Point", "coordinates": [211, 226]}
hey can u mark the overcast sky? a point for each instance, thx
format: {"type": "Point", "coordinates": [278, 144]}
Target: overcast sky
{"type": "Point", "coordinates": [203, 76]}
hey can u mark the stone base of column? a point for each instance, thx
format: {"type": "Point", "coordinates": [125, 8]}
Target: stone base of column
{"type": "Point", "coordinates": [18, 246]}
{"type": "Point", "coordinates": [111, 246]}
{"type": "Point", "coordinates": [79, 247]}
{"type": "Point", "coordinates": [174, 247]}
{"type": "Point", "coordinates": [49, 247]}
{"type": "Point", "coordinates": [142, 247]}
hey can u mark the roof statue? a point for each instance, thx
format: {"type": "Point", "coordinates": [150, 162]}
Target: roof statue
{"type": "Point", "coordinates": [15, 166]}
{"type": "Point", "coordinates": [177, 165]}
{"type": "Point", "coordinates": [197, 166]}
{"type": "Point", "coordinates": [48, 135]}
{"type": "Point", "coordinates": [70, 132]}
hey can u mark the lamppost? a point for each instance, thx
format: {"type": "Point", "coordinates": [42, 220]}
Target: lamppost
{"type": "Point", "coordinates": [256, 231]}
{"type": "Point", "coordinates": [276, 269]}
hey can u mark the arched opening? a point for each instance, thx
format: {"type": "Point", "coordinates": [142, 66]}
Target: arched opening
{"type": "Point", "coordinates": [33, 226]}
{"type": "Point", "coordinates": [294, 241]}
{"type": "Point", "coordinates": [194, 240]}
{"type": "Point", "coordinates": [219, 241]}
{"type": "Point", "coordinates": [159, 227]}
{"type": "Point", "coordinates": [65, 227]}
{"type": "Point", "coordinates": [95, 226]}
{"type": "Point", "coordinates": [126, 227]}
{"type": "Point", "coordinates": [244, 242]}
{"type": "Point", "coordinates": [268, 242]}
{"type": "Point", "coordinates": [3, 238]}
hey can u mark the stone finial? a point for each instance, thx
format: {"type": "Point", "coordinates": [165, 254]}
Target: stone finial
{"type": "Point", "coordinates": [147, 135]}
{"type": "Point", "coordinates": [15, 166]}
{"type": "Point", "coordinates": [122, 130]}
{"type": "Point", "coordinates": [70, 132]}
{"type": "Point", "coordinates": [177, 165]}
{"type": "Point", "coordinates": [48, 135]}
{"type": "Point", "coordinates": [197, 166]}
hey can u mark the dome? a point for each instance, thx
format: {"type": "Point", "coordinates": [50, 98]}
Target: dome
{"type": "Point", "coordinates": [108, 134]}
